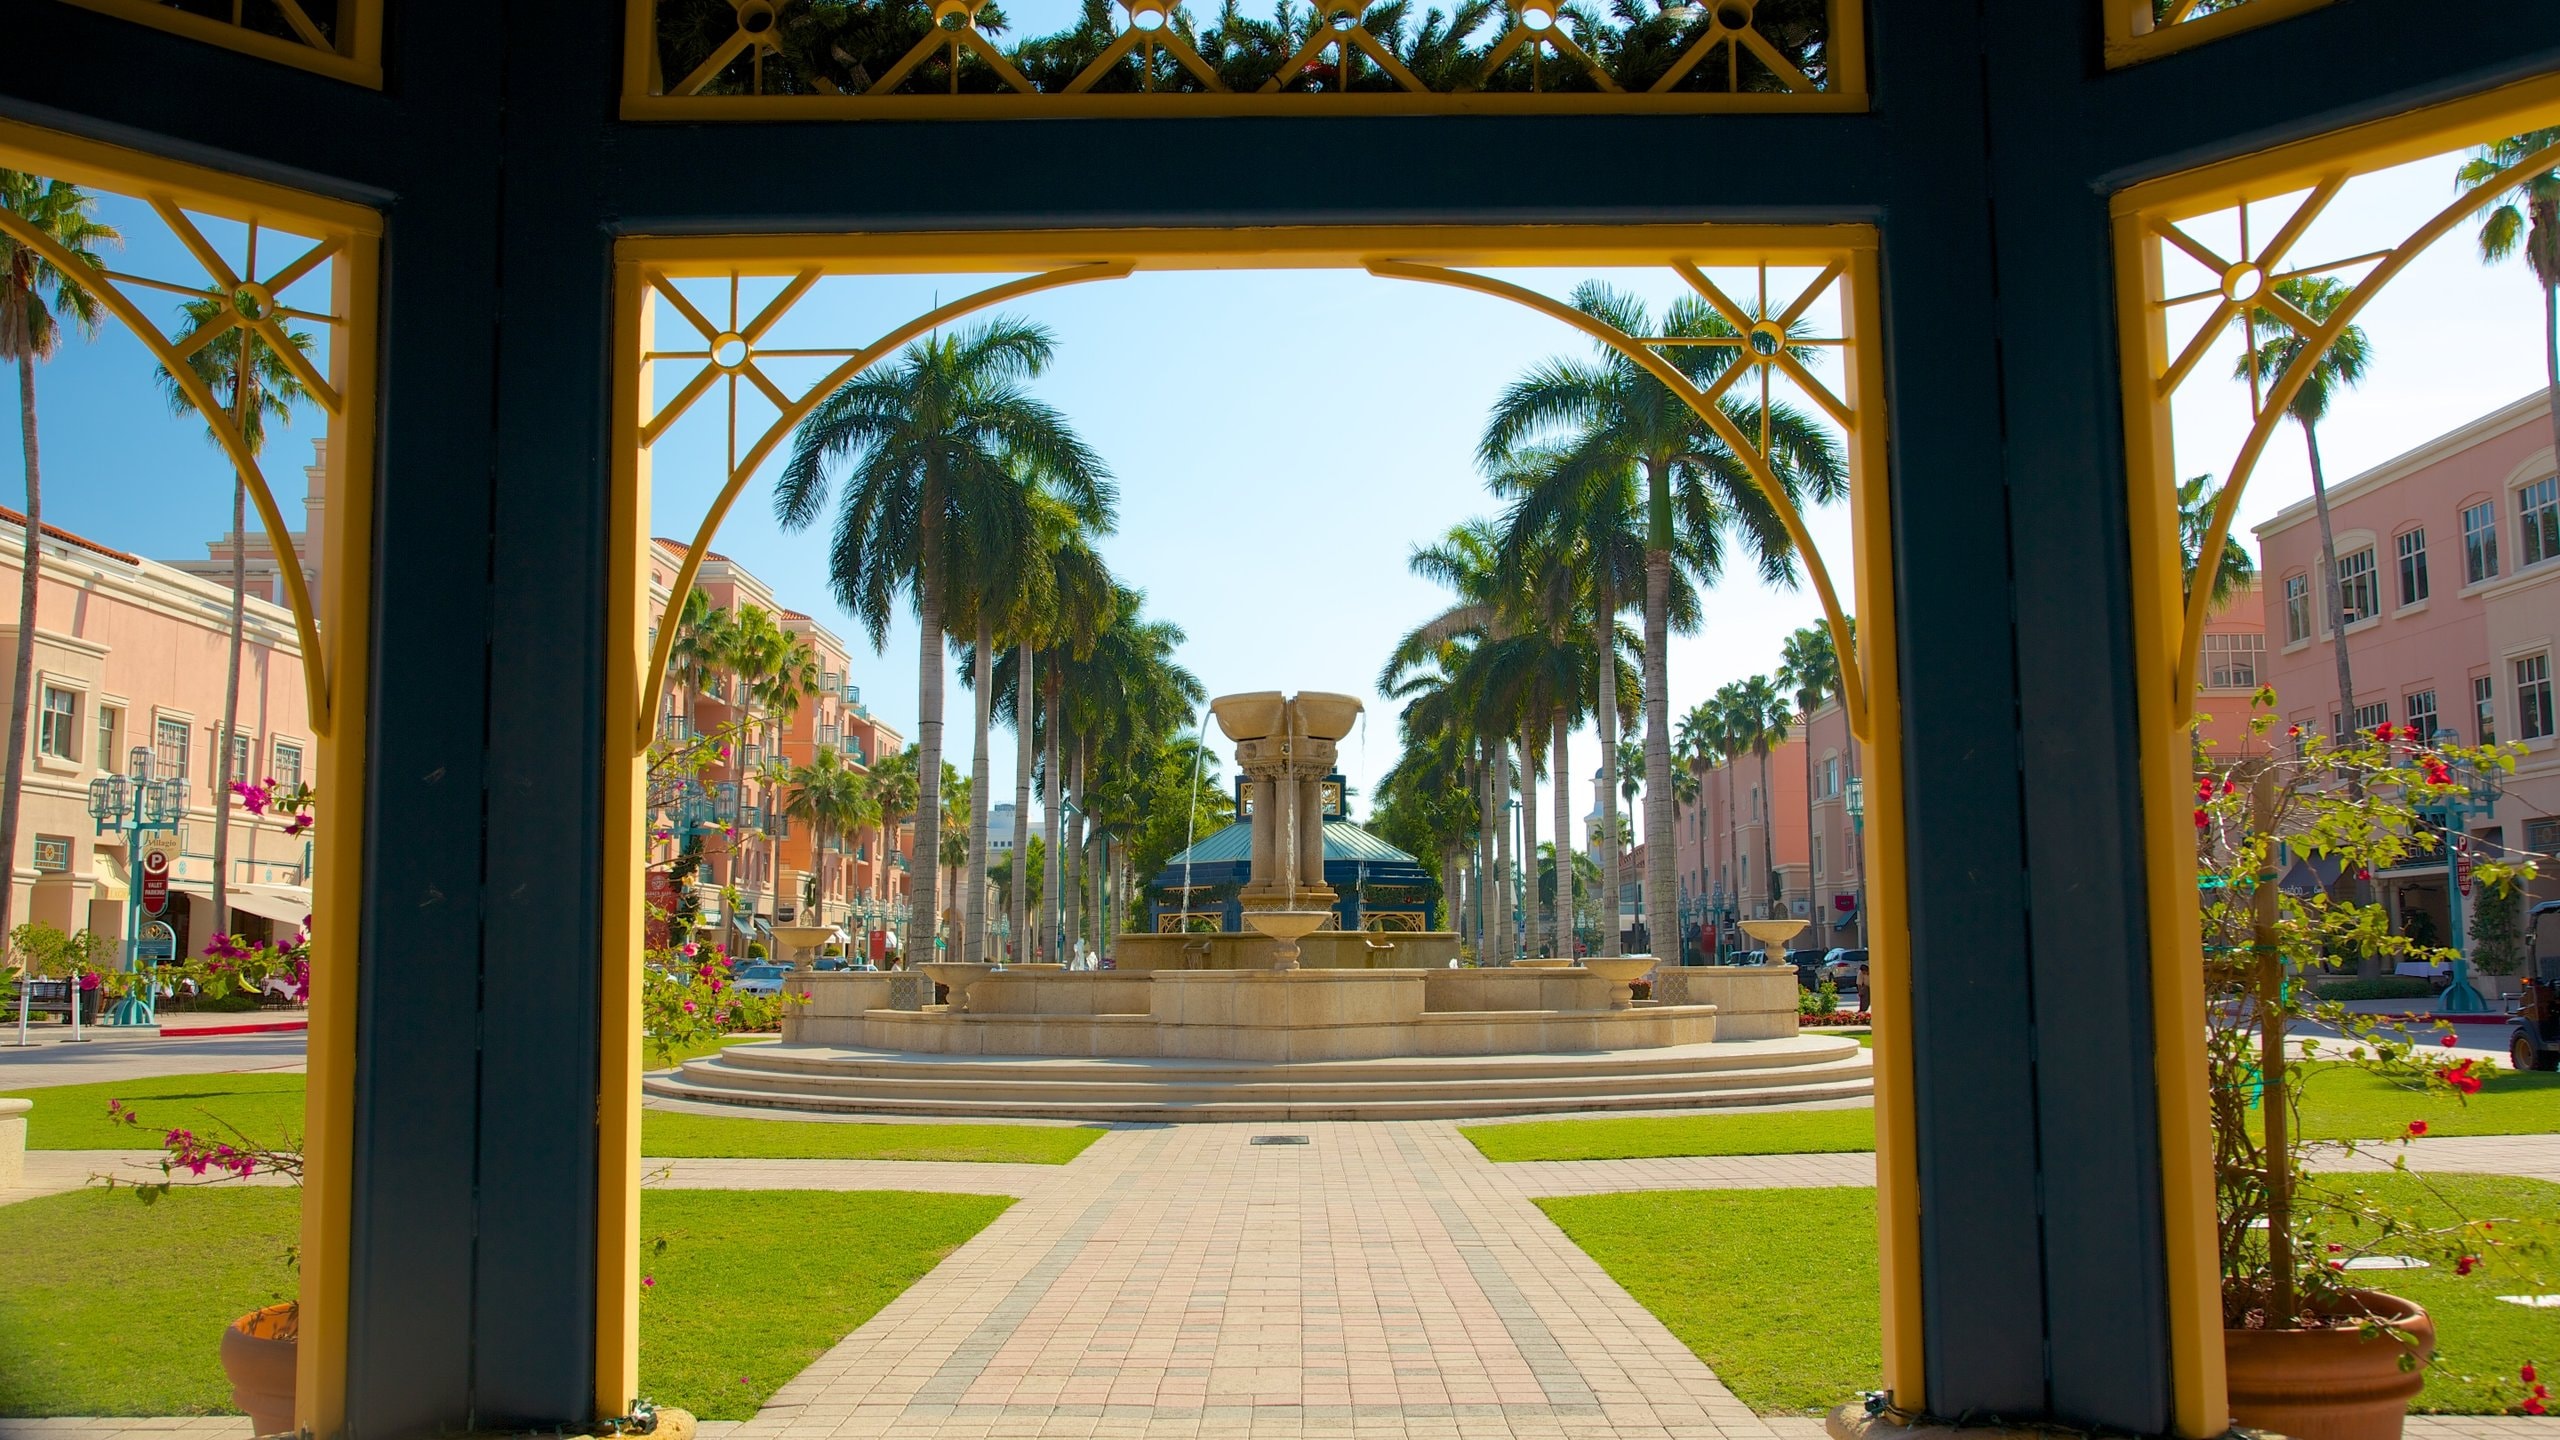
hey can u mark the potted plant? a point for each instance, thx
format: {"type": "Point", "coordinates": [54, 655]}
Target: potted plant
{"type": "Point", "coordinates": [2310, 1353]}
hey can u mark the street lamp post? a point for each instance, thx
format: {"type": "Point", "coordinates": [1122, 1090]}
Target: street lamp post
{"type": "Point", "coordinates": [138, 805]}
{"type": "Point", "coordinates": [1857, 805]}
{"type": "Point", "coordinates": [2479, 796]}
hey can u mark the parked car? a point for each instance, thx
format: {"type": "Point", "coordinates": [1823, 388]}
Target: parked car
{"type": "Point", "coordinates": [1841, 967]}
{"type": "Point", "coordinates": [762, 979]}
{"type": "Point", "coordinates": [1808, 965]}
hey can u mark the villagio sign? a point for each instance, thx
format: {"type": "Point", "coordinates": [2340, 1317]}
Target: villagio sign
{"type": "Point", "coordinates": [155, 878]}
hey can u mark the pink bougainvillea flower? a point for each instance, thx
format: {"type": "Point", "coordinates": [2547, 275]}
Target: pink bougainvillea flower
{"type": "Point", "coordinates": [2464, 1264]}
{"type": "Point", "coordinates": [2448, 1042]}
{"type": "Point", "coordinates": [2417, 1127]}
{"type": "Point", "coordinates": [2527, 1374]}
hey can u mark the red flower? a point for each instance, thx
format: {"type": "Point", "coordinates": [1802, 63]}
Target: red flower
{"type": "Point", "coordinates": [2417, 1127]}
{"type": "Point", "coordinates": [2527, 1374]}
{"type": "Point", "coordinates": [2448, 1041]}
{"type": "Point", "coordinates": [2462, 1265]}
{"type": "Point", "coordinates": [2532, 1405]}
{"type": "Point", "coordinates": [2294, 731]}
{"type": "Point", "coordinates": [2334, 1249]}
{"type": "Point", "coordinates": [2201, 821]}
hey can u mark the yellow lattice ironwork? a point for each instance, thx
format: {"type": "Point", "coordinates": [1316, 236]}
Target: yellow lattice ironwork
{"type": "Point", "coordinates": [338, 38]}
{"type": "Point", "coordinates": [2139, 30]}
{"type": "Point", "coordinates": [283, 240]}
{"type": "Point", "coordinates": [772, 59]}
{"type": "Point", "coordinates": [728, 344]}
{"type": "Point", "coordinates": [2240, 229]}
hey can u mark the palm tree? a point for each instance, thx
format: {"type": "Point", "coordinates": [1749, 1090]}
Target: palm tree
{"type": "Point", "coordinates": [1696, 491]}
{"type": "Point", "coordinates": [925, 443]}
{"type": "Point", "coordinates": [1007, 548]}
{"type": "Point", "coordinates": [1079, 601]}
{"type": "Point", "coordinates": [706, 638]}
{"type": "Point", "coordinates": [776, 670]}
{"type": "Point", "coordinates": [1760, 720]}
{"type": "Point", "coordinates": [36, 302]}
{"type": "Point", "coordinates": [2526, 221]}
{"type": "Point", "coordinates": [1468, 561]}
{"type": "Point", "coordinates": [895, 793]}
{"type": "Point", "coordinates": [1809, 670]}
{"type": "Point", "coordinates": [832, 798]}
{"type": "Point", "coordinates": [254, 385]}
{"type": "Point", "coordinates": [1590, 503]}
{"type": "Point", "coordinates": [2276, 348]}
{"type": "Point", "coordinates": [2197, 495]}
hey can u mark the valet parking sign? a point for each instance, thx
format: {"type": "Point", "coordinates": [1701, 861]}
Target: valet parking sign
{"type": "Point", "coordinates": [155, 880]}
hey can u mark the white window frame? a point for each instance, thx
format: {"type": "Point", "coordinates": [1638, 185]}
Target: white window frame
{"type": "Point", "coordinates": [2414, 712]}
{"type": "Point", "coordinates": [66, 732]}
{"type": "Point", "coordinates": [2534, 713]}
{"type": "Point", "coordinates": [2480, 542]}
{"type": "Point", "coordinates": [2232, 660]}
{"type": "Point", "coordinates": [2538, 521]}
{"type": "Point", "coordinates": [2484, 709]}
{"type": "Point", "coordinates": [2409, 548]}
{"type": "Point", "coordinates": [286, 775]}
{"type": "Point", "coordinates": [106, 721]}
{"type": "Point", "coordinates": [161, 749]}
{"type": "Point", "coordinates": [2297, 609]}
{"type": "Point", "coordinates": [2359, 570]}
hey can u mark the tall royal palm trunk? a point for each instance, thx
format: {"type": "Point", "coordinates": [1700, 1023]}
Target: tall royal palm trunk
{"type": "Point", "coordinates": [1605, 723]}
{"type": "Point", "coordinates": [1053, 860]}
{"type": "Point", "coordinates": [1073, 881]}
{"type": "Point", "coordinates": [1529, 836]}
{"type": "Point", "coordinates": [1768, 831]}
{"type": "Point", "coordinates": [924, 915]}
{"type": "Point", "coordinates": [1811, 895]}
{"type": "Point", "coordinates": [974, 948]}
{"type": "Point", "coordinates": [224, 769]}
{"type": "Point", "coordinates": [1505, 938]}
{"type": "Point", "coordinates": [1561, 771]}
{"type": "Point", "coordinates": [2546, 226]}
{"type": "Point", "coordinates": [1661, 914]}
{"type": "Point", "coordinates": [1018, 906]}
{"type": "Point", "coordinates": [1488, 836]}
{"type": "Point", "coordinates": [2331, 595]}
{"type": "Point", "coordinates": [31, 566]}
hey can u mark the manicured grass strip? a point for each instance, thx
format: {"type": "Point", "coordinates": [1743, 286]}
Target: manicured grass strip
{"type": "Point", "coordinates": [676, 1135]}
{"type": "Point", "coordinates": [751, 1286]}
{"type": "Point", "coordinates": [1774, 1132]}
{"type": "Point", "coordinates": [2340, 1102]}
{"type": "Point", "coordinates": [1774, 1289]}
{"type": "Point", "coordinates": [267, 1107]}
{"type": "Point", "coordinates": [2480, 1339]}
{"type": "Point", "coordinates": [649, 1057]}
{"type": "Point", "coordinates": [114, 1307]}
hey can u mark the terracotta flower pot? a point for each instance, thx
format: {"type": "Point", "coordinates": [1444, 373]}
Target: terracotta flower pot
{"type": "Point", "coordinates": [2332, 1384]}
{"type": "Point", "coordinates": [257, 1355]}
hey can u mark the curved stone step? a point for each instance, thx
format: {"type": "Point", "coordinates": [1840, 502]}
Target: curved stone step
{"type": "Point", "coordinates": [813, 1078]}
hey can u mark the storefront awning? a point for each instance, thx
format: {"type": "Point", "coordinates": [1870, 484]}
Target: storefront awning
{"type": "Point", "coordinates": [286, 904]}
{"type": "Point", "coordinates": [106, 876]}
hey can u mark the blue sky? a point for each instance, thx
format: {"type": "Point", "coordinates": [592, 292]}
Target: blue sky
{"type": "Point", "coordinates": [1283, 439]}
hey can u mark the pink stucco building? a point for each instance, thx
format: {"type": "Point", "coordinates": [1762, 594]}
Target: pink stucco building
{"type": "Point", "coordinates": [133, 654]}
{"type": "Point", "coordinates": [2449, 569]}
{"type": "Point", "coordinates": [1749, 848]}
{"type": "Point", "coordinates": [861, 886]}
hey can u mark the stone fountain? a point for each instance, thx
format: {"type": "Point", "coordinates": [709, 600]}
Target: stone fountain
{"type": "Point", "coordinates": [1286, 746]}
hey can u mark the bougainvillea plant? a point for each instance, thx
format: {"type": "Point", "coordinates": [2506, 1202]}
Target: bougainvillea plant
{"type": "Point", "coordinates": [2309, 803]}
{"type": "Point", "coordinates": [689, 998]}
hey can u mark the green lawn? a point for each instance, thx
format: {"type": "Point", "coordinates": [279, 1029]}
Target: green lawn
{"type": "Point", "coordinates": [268, 1107]}
{"type": "Point", "coordinates": [1776, 1289]}
{"type": "Point", "coordinates": [116, 1308]}
{"type": "Point", "coordinates": [673, 1135]}
{"type": "Point", "coordinates": [2340, 1102]}
{"type": "Point", "coordinates": [265, 1107]}
{"type": "Point", "coordinates": [1767, 1132]}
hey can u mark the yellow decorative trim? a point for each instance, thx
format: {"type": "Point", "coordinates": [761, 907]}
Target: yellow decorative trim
{"type": "Point", "coordinates": [356, 57]}
{"type": "Point", "coordinates": [1844, 255]}
{"type": "Point", "coordinates": [334, 634]}
{"type": "Point", "coordinates": [1886, 859]}
{"type": "Point", "coordinates": [1716, 43]}
{"type": "Point", "coordinates": [2169, 626]}
{"type": "Point", "coordinates": [2185, 29]}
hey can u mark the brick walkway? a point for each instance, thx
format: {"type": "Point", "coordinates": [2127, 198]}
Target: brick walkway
{"type": "Point", "coordinates": [1380, 1280]}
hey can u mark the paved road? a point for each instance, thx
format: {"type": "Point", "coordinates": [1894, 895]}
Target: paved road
{"type": "Point", "coordinates": [110, 1056]}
